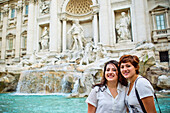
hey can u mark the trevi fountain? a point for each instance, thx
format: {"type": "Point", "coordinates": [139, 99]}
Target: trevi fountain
{"type": "Point", "coordinates": [66, 48]}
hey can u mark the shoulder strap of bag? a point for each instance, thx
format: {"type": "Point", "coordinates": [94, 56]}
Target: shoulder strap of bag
{"type": "Point", "coordinates": [140, 101]}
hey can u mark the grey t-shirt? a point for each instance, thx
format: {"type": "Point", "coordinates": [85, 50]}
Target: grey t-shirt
{"type": "Point", "coordinates": [105, 102]}
{"type": "Point", "coordinates": [144, 89]}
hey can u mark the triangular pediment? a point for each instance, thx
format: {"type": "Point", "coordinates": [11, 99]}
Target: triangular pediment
{"type": "Point", "coordinates": [24, 33]}
{"type": "Point", "coordinates": [159, 8]}
{"type": "Point", "coordinates": [10, 35]}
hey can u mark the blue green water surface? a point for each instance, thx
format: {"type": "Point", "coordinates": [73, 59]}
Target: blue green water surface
{"type": "Point", "coordinates": [10, 103]}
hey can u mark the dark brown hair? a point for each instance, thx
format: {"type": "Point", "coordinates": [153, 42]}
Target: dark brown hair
{"type": "Point", "coordinates": [133, 59]}
{"type": "Point", "coordinates": [121, 79]}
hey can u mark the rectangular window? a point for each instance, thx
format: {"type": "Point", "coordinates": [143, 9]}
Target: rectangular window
{"type": "Point", "coordinates": [12, 13]}
{"type": "Point", "coordinates": [160, 21]}
{"type": "Point", "coordinates": [24, 42]}
{"type": "Point", "coordinates": [26, 9]}
{"type": "Point", "coordinates": [164, 57]}
{"type": "Point", "coordinates": [10, 44]}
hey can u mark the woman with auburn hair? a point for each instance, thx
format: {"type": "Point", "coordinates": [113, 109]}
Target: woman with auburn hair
{"type": "Point", "coordinates": [140, 93]}
{"type": "Point", "coordinates": [108, 96]}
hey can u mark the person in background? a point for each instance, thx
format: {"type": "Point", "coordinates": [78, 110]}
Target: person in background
{"type": "Point", "coordinates": [108, 96]}
{"type": "Point", "coordinates": [129, 68]}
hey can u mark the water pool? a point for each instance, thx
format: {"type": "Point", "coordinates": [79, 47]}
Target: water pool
{"type": "Point", "coordinates": [10, 103]}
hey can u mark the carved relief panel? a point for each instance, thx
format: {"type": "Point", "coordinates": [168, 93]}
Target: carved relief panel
{"type": "Point", "coordinates": [44, 7]}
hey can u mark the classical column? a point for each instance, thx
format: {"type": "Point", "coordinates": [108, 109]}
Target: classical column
{"type": "Point", "coordinates": [18, 31]}
{"type": "Point", "coordinates": [30, 35]}
{"type": "Point", "coordinates": [95, 24]}
{"type": "Point", "coordinates": [64, 34]}
{"type": "Point", "coordinates": [4, 31]}
{"type": "Point", "coordinates": [140, 8]}
{"type": "Point", "coordinates": [104, 22]}
{"type": "Point", "coordinates": [55, 28]}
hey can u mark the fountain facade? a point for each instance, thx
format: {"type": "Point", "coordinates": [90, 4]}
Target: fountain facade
{"type": "Point", "coordinates": [62, 45]}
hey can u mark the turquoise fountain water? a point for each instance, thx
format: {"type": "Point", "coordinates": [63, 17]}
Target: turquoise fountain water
{"type": "Point", "coordinates": [11, 103]}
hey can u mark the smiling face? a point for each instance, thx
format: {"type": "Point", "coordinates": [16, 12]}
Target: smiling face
{"type": "Point", "coordinates": [127, 70]}
{"type": "Point", "coordinates": [111, 73]}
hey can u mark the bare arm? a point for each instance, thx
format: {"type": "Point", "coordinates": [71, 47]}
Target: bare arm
{"type": "Point", "coordinates": [91, 109]}
{"type": "Point", "coordinates": [149, 105]}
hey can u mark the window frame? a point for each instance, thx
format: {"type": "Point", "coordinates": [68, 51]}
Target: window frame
{"type": "Point", "coordinates": [10, 43]}
{"type": "Point", "coordinates": [163, 55]}
{"type": "Point", "coordinates": [161, 25]}
{"type": "Point", "coordinates": [13, 13]}
{"type": "Point", "coordinates": [26, 9]}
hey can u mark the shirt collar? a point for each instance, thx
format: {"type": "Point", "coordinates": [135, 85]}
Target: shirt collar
{"type": "Point", "coordinates": [119, 89]}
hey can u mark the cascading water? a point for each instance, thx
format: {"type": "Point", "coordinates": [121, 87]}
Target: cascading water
{"type": "Point", "coordinates": [76, 86]}
{"type": "Point", "coordinates": [39, 82]}
{"type": "Point", "coordinates": [50, 79]}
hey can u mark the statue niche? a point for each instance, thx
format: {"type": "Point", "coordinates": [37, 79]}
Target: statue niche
{"type": "Point", "coordinates": [44, 40]}
{"type": "Point", "coordinates": [123, 27]}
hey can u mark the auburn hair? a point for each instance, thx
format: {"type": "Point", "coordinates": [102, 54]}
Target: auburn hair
{"type": "Point", "coordinates": [133, 59]}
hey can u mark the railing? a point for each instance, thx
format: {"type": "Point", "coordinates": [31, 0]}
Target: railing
{"type": "Point", "coordinates": [162, 31]}
{"type": "Point", "coordinates": [158, 34]}
{"type": "Point", "coordinates": [25, 19]}
{"type": "Point", "coordinates": [10, 53]}
{"type": "Point", "coordinates": [12, 21]}
{"type": "Point", "coordinates": [23, 51]}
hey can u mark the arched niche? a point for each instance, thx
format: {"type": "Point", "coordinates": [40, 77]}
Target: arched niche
{"type": "Point", "coordinates": [73, 10]}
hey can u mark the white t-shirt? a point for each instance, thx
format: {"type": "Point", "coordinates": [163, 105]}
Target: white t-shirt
{"type": "Point", "coordinates": [105, 102]}
{"type": "Point", "coordinates": [144, 89]}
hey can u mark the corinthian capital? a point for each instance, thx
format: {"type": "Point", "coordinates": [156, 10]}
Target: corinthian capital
{"type": "Point", "coordinates": [5, 11]}
{"type": "Point", "coordinates": [19, 7]}
{"type": "Point", "coordinates": [95, 8]}
{"type": "Point", "coordinates": [32, 1]}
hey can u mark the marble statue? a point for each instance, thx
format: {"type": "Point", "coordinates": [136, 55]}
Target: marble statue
{"type": "Point", "coordinates": [28, 62]}
{"type": "Point", "coordinates": [77, 33]}
{"type": "Point", "coordinates": [45, 39]}
{"type": "Point", "coordinates": [123, 27]}
{"type": "Point", "coordinates": [87, 54]}
{"type": "Point", "coordinates": [100, 52]}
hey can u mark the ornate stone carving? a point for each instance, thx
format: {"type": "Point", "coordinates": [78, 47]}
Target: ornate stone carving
{"type": "Point", "coordinates": [5, 11]}
{"type": "Point", "coordinates": [19, 7]}
{"type": "Point", "coordinates": [79, 6]}
{"type": "Point", "coordinates": [44, 7]}
{"type": "Point", "coordinates": [95, 9]}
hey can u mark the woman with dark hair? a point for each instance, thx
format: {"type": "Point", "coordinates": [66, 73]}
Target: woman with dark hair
{"type": "Point", "coordinates": [140, 93]}
{"type": "Point", "coordinates": [108, 96]}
